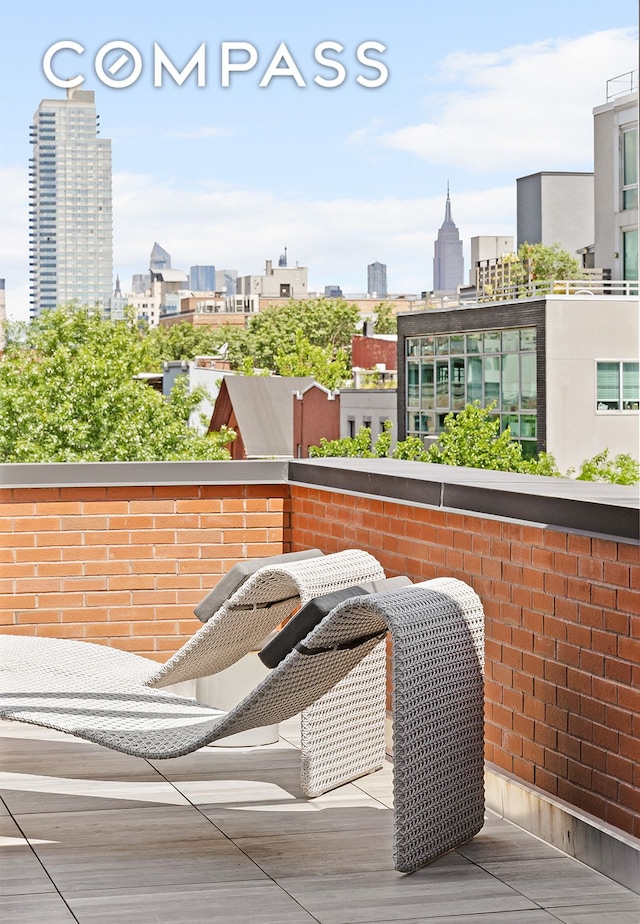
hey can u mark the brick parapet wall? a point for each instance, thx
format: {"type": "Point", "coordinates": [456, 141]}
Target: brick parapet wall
{"type": "Point", "coordinates": [125, 566]}
{"type": "Point", "coordinates": [562, 635]}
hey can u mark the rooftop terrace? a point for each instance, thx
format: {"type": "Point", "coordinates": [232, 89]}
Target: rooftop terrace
{"type": "Point", "coordinates": [119, 553]}
{"type": "Point", "coordinates": [226, 835]}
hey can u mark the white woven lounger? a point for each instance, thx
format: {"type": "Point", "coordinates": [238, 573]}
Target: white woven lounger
{"type": "Point", "coordinates": [239, 625]}
{"type": "Point", "coordinates": [437, 633]}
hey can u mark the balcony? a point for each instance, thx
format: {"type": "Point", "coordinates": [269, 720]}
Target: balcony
{"type": "Point", "coordinates": [119, 553]}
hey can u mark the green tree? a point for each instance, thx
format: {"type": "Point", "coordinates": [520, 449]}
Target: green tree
{"type": "Point", "coordinates": [326, 322]}
{"type": "Point", "coordinates": [67, 394]}
{"type": "Point", "coordinates": [621, 469]}
{"type": "Point", "coordinates": [540, 262]}
{"type": "Point", "coordinates": [473, 438]}
{"type": "Point", "coordinates": [329, 368]}
{"type": "Point", "coordinates": [361, 446]}
{"type": "Point", "coordinates": [385, 319]}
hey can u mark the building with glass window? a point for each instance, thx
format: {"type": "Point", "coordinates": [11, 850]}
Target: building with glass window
{"type": "Point", "coordinates": [202, 278]}
{"type": "Point", "coordinates": [616, 178]}
{"type": "Point", "coordinates": [377, 279]}
{"type": "Point", "coordinates": [561, 371]}
{"type": "Point", "coordinates": [70, 205]}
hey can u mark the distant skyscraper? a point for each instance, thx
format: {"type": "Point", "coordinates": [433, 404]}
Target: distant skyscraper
{"type": "Point", "coordinates": [160, 259]}
{"type": "Point", "coordinates": [377, 279]}
{"type": "Point", "coordinates": [140, 282]}
{"type": "Point", "coordinates": [448, 261]}
{"type": "Point", "coordinates": [70, 222]}
{"type": "Point", "coordinates": [332, 292]}
{"type": "Point", "coordinates": [227, 281]}
{"type": "Point", "coordinates": [202, 278]}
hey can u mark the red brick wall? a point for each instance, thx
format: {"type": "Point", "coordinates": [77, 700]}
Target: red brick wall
{"type": "Point", "coordinates": [315, 415]}
{"type": "Point", "coordinates": [562, 636]}
{"type": "Point", "coordinates": [125, 566]}
{"type": "Point", "coordinates": [366, 352]}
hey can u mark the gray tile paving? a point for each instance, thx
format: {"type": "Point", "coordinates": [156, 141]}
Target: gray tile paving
{"type": "Point", "coordinates": [91, 836]}
{"type": "Point", "coordinates": [26, 909]}
{"type": "Point", "coordinates": [228, 902]}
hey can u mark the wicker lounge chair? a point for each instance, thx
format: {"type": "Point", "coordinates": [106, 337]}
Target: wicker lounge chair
{"type": "Point", "coordinates": [437, 630]}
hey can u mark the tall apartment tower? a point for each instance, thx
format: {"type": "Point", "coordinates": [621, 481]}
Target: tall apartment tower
{"type": "Point", "coordinates": [70, 220]}
{"type": "Point", "coordinates": [448, 261]}
{"type": "Point", "coordinates": [377, 279]}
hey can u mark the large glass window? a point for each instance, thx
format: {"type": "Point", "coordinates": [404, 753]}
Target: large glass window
{"type": "Point", "coordinates": [442, 384]}
{"type": "Point", "coordinates": [617, 387]}
{"type": "Point", "coordinates": [445, 372]}
{"type": "Point", "coordinates": [413, 384]}
{"type": "Point", "coordinates": [630, 170]}
{"type": "Point", "coordinates": [458, 399]}
{"type": "Point", "coordinates": [630, 254]}
{"type": "Point", "coordinates": [427, 390]}
{"type": "Point", "coordinates": [510, 382]}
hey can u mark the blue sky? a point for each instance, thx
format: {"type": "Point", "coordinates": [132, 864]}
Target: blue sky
{"type": "Point", "coordinates": [343, 176]}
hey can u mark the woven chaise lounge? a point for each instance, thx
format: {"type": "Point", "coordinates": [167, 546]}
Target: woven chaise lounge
{"type": "Point", "coordinates": [333, 677]}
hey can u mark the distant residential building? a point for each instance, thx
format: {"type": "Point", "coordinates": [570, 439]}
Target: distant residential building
{"type": "Point", "coordinates": [70, 215]}
{"type": "Point", "coordinates": [140, 282]}
{"type": "Point", "coordinates": [374, 359]}
{"type": "Point", "coordinates": [377, 280]}
{"type": "Point", "coordinates": [207, 309]}
{"type": "Point", "coordinates": [562, 369]}
{"type": "Point", "coordinates": [616, 179]}
{"type": "Point", "coordinates": [488, 247]}
{"type": "Point", "coordinates": [448, 260]}
{"type": "Point", "coordinates": [202, 278]}
{"type": "Point", "coordinates": [260, 410]}
{"type": "Point", "coordinates": [159, 260]}
{"type": "Point", "coordinates": [332, 292]}
{"type": "Point", "coordinates": [368, 407]}
{"type": "Point", "coordinates": [203, 370]}
{"type": "Point", "coordinates": [555, 207]}
{"type": "Point", "coordinates": [227, 281]}
{"type": "Point", "coordinates": [277, 282]}
{"type": "Point", "coordinates": [316, 416]}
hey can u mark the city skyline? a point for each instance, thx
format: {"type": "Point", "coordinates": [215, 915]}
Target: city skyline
{"type": "Point", "coordinates": [344, 174]}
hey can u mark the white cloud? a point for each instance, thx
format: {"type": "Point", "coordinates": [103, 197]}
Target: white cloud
{"type": "Point", "coordinates": [523, 109]}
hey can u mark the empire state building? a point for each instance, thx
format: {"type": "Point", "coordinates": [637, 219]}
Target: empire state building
{"type": "Point", "coordinates": [448, 262]}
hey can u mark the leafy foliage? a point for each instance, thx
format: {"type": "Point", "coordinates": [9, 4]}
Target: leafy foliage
{"type": "Point", "coordinates": [325, 322]}
{"type": "Point", "coordinates": [385, 319]}
{"type": "Point", "coordinates": [471, 438]}
{"type": "Point", "coordinates": [361, 446]}
{"type": "Point", "coordinates": [621, 469]}
{"type": "Point", "coordinates": [67, 393]}
{"type": "Point", "coordinates": [541, 262]}
{"type": "Point", "coordinates": [329, 368]}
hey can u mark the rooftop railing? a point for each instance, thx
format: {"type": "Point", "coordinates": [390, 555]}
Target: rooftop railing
{"type": "Point", "coordinates": [622, 85]}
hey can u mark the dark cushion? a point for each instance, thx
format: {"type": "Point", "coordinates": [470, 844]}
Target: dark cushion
{"type": "Point", "coordinates": [313, 612]}
{"type": "Point", "coordinates": [236, 576]}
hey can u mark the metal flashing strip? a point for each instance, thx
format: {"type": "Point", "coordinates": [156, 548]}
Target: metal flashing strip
{"type": "Point", "coordinates": [136, 474]}
{"type": "Point", "coordinates": [603, 510]}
